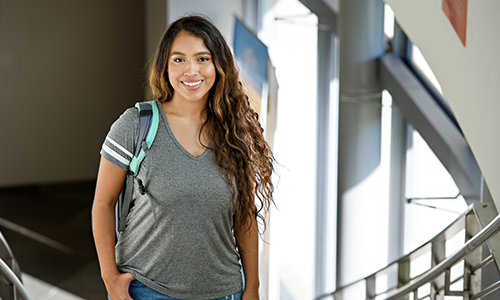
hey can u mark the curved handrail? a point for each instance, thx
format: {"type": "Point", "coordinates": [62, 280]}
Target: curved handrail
{"type": "Point", "coordinates": [484, 235]}
{"type": "Point", "coordinates": [477, 240]}
{"type": "Point", "coordinates": [13, 278]}
{"type": "Point", "coordinates": [3, 242]}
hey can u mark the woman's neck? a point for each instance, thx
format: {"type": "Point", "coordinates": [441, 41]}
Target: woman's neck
{"type": "Point", "coordinates": [185, 109]}
{"type": "Point", "coordinates": [187, 122]}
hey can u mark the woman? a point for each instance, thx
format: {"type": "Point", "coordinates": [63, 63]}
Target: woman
{"type": "Point", "coordinates": [208, 164]}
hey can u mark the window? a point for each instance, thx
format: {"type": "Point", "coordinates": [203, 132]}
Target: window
{"type": "Point", "coordinates": [419, 62]}
{"type": "Point", "coordinates": [433, 199]}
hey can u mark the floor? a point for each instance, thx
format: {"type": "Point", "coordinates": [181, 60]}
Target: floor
{"type": "Point", "coordinates": [49, 231]}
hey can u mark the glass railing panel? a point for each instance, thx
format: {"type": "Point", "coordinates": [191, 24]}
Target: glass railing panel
{"type": "Point", "coordinates": [424, 290]}
{"type": "Point", "coordinates": [387, 279]}
{"type": "Point", "coordinates": [421, 261]}
{"type": "Point", "coordinates": [356, 291]}
{"type": "Point", "coordinates": [457, 272]}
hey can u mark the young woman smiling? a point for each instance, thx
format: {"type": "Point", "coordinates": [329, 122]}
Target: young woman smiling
{"type": "Point", "coordinates": [209, 178]}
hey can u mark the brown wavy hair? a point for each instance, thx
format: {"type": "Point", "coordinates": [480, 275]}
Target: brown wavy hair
{"type": "Point", "coordinates": [241, 151]}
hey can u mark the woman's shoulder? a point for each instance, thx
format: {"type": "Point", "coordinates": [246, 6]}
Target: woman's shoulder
{"type": "Point", "coordinates": [125, 125]}
{"type": "Point", "coordinates": [131, 113]}
{"type": "Point", "coordinates": [129, 117]}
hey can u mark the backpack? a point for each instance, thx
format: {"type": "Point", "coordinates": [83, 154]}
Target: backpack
{"type": "Point", "coordinates": [148, 126]}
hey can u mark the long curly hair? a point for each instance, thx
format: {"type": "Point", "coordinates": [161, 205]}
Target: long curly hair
{"type": "Point", "coordinates": [245, 158]}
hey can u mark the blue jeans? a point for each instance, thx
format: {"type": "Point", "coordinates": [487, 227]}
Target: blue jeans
{"type": "Point", "coordinates": [139, 291]}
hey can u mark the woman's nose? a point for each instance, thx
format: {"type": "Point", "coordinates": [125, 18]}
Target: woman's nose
{"type": "Point", "coordinates": [191, 69]}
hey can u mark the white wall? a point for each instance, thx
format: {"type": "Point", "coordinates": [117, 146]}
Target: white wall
{"type": "Point", "coordinates": [469, 76]}
{"type": "Point", "coordinates": [221, 12]}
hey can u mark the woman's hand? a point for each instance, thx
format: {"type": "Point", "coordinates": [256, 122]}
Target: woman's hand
{"type": "Point", "coordinates": [250, 295]}
{"type": "Point", "coordinates": [109, 184]}
{"type": "Point", "coordinates": [247, 238]}
{"type": "Point", "coordinates": [118, 285]}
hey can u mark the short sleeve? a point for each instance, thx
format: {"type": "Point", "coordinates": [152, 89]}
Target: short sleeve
{"type": "Point", "coordinates": [118, 147]}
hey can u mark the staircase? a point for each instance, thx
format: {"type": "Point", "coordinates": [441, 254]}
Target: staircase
{"type": "Point", "coordinates": [11, 286]}
{"type": "Point", "coordinates": [450, 264]}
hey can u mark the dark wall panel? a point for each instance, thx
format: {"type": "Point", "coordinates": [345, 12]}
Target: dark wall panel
{"type": "Point", "coordinates": [67, 70]}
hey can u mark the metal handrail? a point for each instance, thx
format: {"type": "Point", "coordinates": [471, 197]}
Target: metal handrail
{"type": "Point", "coordinates": [472, 244]}
{"type": "Point", "coordinates": [4, 268]}
{"type": "Point", "coordinates": [484, 235]}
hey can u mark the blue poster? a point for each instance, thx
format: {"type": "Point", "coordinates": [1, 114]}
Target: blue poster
{"type": "Point", "coordinates": [251, 55]}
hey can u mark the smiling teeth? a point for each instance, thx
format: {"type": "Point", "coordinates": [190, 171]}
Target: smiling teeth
{"type": "Point", "coordinates": [192, 83]}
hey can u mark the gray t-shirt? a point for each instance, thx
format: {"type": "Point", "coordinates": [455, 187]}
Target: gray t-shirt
{"type": "Point", "coordinates": [191, 253]}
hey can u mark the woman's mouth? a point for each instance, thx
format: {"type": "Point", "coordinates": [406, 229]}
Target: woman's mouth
{"type": "Point", "coordinates": [192, 83]}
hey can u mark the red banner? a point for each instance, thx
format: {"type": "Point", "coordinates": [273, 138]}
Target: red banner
{"type": "Point", "coordinates": [456, 11]}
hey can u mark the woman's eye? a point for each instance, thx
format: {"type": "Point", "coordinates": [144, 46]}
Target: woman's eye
{"type": "Point", "coordinates": [178, 60]}
{"type": "Point", "coordinates": [204, 59]}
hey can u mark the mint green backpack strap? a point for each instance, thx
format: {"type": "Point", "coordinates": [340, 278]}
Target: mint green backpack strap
{"type": "Point", "coordinates": [146, 110]}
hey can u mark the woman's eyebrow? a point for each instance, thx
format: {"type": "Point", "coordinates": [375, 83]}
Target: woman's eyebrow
{"type": "Point", "coordinates": [196, 54]}
{"type": "Point", "coordinates": [202, 53]}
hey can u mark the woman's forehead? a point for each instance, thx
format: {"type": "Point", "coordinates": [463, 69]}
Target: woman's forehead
{"type": "Point", "coordinates": [188, 41]}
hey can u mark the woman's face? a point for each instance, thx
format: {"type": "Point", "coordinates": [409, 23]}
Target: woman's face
{"type": "Point", "coordinates": [191, 71]}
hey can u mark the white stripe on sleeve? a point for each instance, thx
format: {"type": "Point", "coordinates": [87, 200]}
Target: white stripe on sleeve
{"type": "Point", "coordinates": [115, 155]}
{"type": "Point", "coordinates": [119, 146]}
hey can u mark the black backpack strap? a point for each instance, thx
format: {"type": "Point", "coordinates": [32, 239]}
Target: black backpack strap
{"type": "Point", "coordinates": [125, 206]}
{"type": "Point", "coordinates": [145, 119]}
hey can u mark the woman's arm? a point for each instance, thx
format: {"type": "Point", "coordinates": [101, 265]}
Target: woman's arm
{"type": "Point", "coordinates": [109, 184]}
{"type": "Point", "coordinates": [247, 238]}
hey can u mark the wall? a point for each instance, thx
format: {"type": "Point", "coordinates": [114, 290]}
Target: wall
{"type": "Point", "coordinates": [67, 71]}
{"type": "Point", "coordinates": [155, 26]}
{"type": "Point", "coordinates": [469, 75]}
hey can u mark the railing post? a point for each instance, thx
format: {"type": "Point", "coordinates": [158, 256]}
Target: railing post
{"type": "Point", "coordinates": [338, 295]}
{"type": "Point", "coordinates": [404, 274]}
{"type": "Point", "coordinates": [370, 287]}
{"type": "Point", "coordinates": [472, 281]}
{"type": "Point", "coordinates": [438, 250]}
{"type": "Point", "coordinates": [485, 212]}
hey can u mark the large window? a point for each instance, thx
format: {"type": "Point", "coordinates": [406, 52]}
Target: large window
{"type": "Point", "coordinates": [290, 32]}
{"type": "Point", "coordinates": [433, 199]}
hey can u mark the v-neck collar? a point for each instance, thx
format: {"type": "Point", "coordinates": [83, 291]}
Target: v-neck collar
{"type": "Point", "coordinates": [172, 136]}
